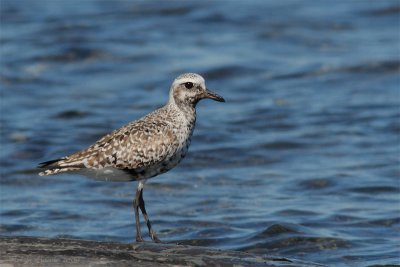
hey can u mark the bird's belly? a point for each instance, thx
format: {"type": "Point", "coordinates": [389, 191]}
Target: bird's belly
{"type": "Point", "coordinates": [141, 173]}
{"type": "Point", "coordinates": [124, 175]}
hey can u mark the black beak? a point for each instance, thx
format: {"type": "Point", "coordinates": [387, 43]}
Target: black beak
{"type": "Point", "coordinates": [211, 95]}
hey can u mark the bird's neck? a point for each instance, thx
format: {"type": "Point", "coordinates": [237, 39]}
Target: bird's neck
{"type": "Point", "coordinates": [188, 112]}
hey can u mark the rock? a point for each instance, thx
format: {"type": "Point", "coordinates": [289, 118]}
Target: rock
{"type": "Point", "coordinates": [32, 251]}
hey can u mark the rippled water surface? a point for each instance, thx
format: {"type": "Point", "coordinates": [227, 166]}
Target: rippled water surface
{"type": "Point", "coordinates": [301, 161]}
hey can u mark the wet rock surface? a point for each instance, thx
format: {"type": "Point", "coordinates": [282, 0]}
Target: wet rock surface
{"type": "Point", "coordinates": [32, 251]}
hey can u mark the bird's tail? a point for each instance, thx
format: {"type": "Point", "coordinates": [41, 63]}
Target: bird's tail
{"type": "Point", "coordinates": [57, 166]}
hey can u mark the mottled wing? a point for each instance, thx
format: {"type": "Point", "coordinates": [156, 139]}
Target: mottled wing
{"type": "Point", "coordinates": [140, 144]}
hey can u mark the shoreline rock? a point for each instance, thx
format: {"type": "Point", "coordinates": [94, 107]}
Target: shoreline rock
{"type": "Point", "coordinates": [34, 251]}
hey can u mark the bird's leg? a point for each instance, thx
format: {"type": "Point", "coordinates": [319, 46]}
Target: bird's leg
{"type": "Point", "coordinates": [152, 233]}
{"type": "Point", "coordinates": [136, 203]}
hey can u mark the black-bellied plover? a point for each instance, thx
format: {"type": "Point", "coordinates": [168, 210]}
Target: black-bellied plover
{"type": "Point", "coordinates": [143, 148]}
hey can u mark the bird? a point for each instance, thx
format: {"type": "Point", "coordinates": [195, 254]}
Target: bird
{"type": "Point", "coordinates": [143, 148]}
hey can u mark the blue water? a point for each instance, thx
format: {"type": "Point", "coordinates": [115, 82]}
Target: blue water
{"type": "Point", "coordinates": [302, 160]}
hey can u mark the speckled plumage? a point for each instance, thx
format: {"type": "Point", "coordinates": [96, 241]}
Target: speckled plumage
{"type": "Point", "coordinates": [143, 148]}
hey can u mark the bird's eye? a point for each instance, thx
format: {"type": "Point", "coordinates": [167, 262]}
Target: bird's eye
{"type": "Point", "coordinates": [189, 85]}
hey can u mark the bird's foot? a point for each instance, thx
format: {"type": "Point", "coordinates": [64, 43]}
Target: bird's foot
{"type": "Point", "coordinates": [154, 237]}
{"type": "Point", "coordinates": [139, 238]}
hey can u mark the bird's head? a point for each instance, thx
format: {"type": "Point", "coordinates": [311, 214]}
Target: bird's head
{"type": "Point", "coordinates": [190, 88]}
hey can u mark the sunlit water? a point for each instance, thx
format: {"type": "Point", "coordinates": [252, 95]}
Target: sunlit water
{"type": "Point", "coordinates": [301, 161]}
